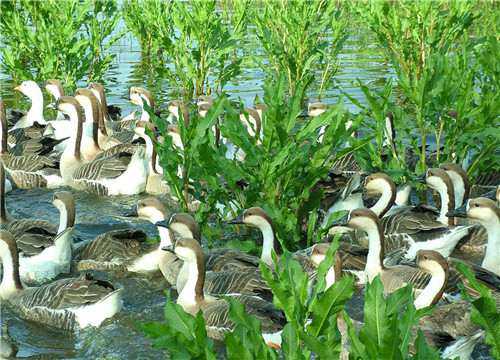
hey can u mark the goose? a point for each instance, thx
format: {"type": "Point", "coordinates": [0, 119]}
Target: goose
{"type": "Point", "coordinates": [460, 180]}
{"type": "Point", "coordinates": [89, 147]}
{"type": "Point", "coordinates": [252, 120]}
{"type": "Point", "coordinates": [67, 304]}
{"type": "Point", "coordinates": [420, 226]}
{"type": "Point", "coordinates": [138, 96]}
{"type": "Point", "coordinates": [110, 112]}
{"type": "Point", "coordinates": [104, 175]}
{"type": "Point", "coordinates": [216, 311]}
{"type": "Point", "coordinates": [44, 257]}
{"type": "Point", "coordinates": [315, 109]}
{"type": "Point", "coordinates": [487, 214]}
{"type": "Point", "coordinates": [29, 171]}
{"type": "Point", "coordinates": [394, 277]}
{"type": "Point", "coordinates": [177, 107]}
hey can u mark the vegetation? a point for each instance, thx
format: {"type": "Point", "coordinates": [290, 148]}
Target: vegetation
{"type": "Point", "coordinates": [69, 40]}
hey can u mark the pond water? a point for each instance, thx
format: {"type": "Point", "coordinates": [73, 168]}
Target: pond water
{"type": "Point", "coordinates": [144, 298]}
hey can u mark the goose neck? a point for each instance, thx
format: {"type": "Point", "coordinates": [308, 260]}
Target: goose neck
{"type": "Point", "coordinates": [433, 292]}
{"type": "Point", "coordinates": [385, 202]}
{"type": "Point", "coordinates": [447, 203]}
{"type": "Point", "coordinates": [268, 243]}
{"type": "Point", "coordinates": [165, 236]}
{"type": "Point", "coordinates": [374, 260]}
{"type": "Point", "coordinates": [11, 281]}
{"type": "Point", "coordinates": [491, 259]}
{"type": "Point", "coordinates": [191, 295]}
{"type": "Point", "coordinates": [35, 113]}
{"type": "Point", "coordinates": [3, 210]}
{"type": "Point", "coordinates": [66, 217]}
{"type": "Point", "coordinates": [4, 149]}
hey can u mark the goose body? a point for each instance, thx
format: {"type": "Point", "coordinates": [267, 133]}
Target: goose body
{"type": "Point", "coordinates": [29, 171]}
{"type": "Point", "coordinates": [66, 304]}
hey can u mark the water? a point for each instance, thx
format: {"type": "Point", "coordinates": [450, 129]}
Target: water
{"type": "Point", "coordinates": [119, 338]}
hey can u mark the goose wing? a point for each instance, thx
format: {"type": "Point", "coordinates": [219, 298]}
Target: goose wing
{"type": "Point", "coordinates": [67, 293]}
{"type": "Point", "coordinates": [113, 245]}
{"type": "Point", "coordinates": [33, 244]}
{"type": "Point", "coordinates": [217, 320]}
{"type": "Point", "coordinates": [28, 226]}
{"type": "Point", "coordinates": [396, 277]}
{"type": "Point", "coordinates": [229, 259]}
{"type": "Point", "coordinates": [27, 163]}
{"type": "Point", "coordinates": [118, 150]}
{"type": "Point", "coordinates": [236, 282]}
{"type": "Point", "coordinates": [41, 146]}
{"type": "Point", "coordinates": [107, 168]}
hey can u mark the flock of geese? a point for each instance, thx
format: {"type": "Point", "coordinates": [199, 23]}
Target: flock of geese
{"type": "Point", "coordinates": [88, 147]}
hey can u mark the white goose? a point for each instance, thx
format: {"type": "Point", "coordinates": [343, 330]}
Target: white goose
{"type": "Point", "coordinates": [66, 304]}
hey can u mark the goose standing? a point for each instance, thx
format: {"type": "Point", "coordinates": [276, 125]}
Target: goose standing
{"type": "Point", "coordinates": [215, 310]}
{"type": "Point", "coordinates": [28, 171]}
{"type": "Point", "coordinates": [66, 304]}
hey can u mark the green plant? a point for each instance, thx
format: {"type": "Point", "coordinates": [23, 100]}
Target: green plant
{"type": "Point", "coordinates": [278, 174]}
{"type": "Point", "coordinates": [69, 40]}
{"type": "Point", "coordinates": [417, 36]}
{"type": "Point", "coordinates": [484, 312]}
{"type": "Point", "coordinates": [301, 37]}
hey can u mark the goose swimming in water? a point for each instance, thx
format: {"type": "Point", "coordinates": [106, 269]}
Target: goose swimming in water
{"type": "Point", "coordinates": [104, 175]}
{"type": "Point", "coordinates": [216, 311]}
{"type": "Point", "coordinates": [66, 304]}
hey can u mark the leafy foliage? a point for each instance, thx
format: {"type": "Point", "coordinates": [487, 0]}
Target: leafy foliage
{"type": "Point", "coordinates": [69, 40]}
{"type": "Point", "coordinates": [484, 311]}
{"type": "Point", "coordinates": [183, 335]}
{"type": "Point", "coordinates": [299, 37]}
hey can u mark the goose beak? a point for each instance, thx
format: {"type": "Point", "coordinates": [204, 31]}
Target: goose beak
{"type": "Point", "coordinates": [343, 221]}
{"type": "Point", "coordinates": [421, 179]}
{"type": "Point", "coordinates": [162, 223]}
{"type": "Point", "coordinates": [459, 212]}
{"type": "Point", "coordinates": [237, 220]}
{"type": "Point", "coordinates": [169, 248]}
{"type": "Point", "coordinates": [131, 212]}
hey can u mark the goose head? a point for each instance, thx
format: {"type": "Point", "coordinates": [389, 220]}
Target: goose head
{"type": "Point", "coordinates": [178, 107]}
{"type": "Point", "coordinates": [150, 209]}
{"type": "Point", "coordinates": [316, 109]}
{"type": "Point", "coordinates": [90, 104]}
{"type": "Point", "coordinates": [139, 96]}
{"type": "Point", "coordinates": [203, 109]}
{"type": "Point", "coordinates": [460, 180]}
{"type": "Point", "coordinates": [381, 184]}
{"type": "Point", "coordinates": [261, 109]}
{"type": "Point", "coordinates": [204, 99]}
{"type": "Point", "coordinates": [318, 255]}
{"type": "Point", "coordinates": [30, 89]}
{"type": "Point", "coordinates": [141, 126]}
{"type": "Point", "coordinates": [481, 210]}
{"type": "Point", "coordinates": [65, 203]}
{"type": "Point", "coordinates": [361, 219]}
{"type": "Point", "coordinates": [189, 250]}
{"type": "Point", "coordinates": [431, 261]}
{"type": "Point", "coordinates": [438, 180]}
{"type": "Point", "coordinates": [54, 88]}
{"type": "Point", "coordinates": [254, 216]}
{"type": "Point", "coordinates": [185, 226]}
{"type": "Point", "coordinates": [98, 91]}
{"type": "Point", "coordinates": [70, 106]}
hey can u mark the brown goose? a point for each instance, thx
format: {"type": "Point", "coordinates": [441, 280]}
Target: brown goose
{"type": "Point", "coordinates": [66, 304]}
{"type": "Point", "coordinates": [216, 311]}
{"type": "Point", "coordinates": [110, 112]}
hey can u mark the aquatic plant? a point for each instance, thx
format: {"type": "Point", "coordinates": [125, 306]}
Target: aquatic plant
{"type": "Point", "coordinates": [416, 37]}
{"type": "Point", "coordinates": [300, 38]}
{"type": "Point", "coordinates": [69, 40]}
{"type": "Point", "coordinates": [277, 174]}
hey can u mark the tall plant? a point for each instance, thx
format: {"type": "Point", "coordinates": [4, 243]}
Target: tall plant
{"type": "Point", "coordinates": [416, 36]}
{"type": "Point", "coordinates": [69, 40]}
{"type": "Point", "coordinates": [300, 37]}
